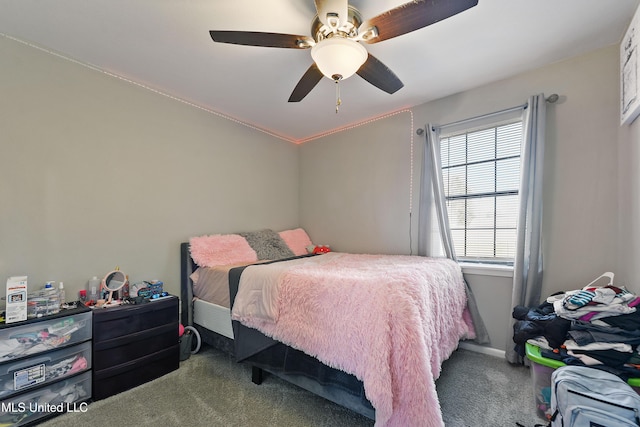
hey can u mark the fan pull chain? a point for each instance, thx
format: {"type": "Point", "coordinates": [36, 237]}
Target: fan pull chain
{"type": "Point", "coordinates": [338, 100]}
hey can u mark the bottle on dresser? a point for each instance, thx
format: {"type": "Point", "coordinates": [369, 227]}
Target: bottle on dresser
{"type": "Point", "coordinates": [52, 298]}
{"type": "Point", "coordinates": [94, 289]}
{"type": "Point", "coordinates": [62, 297]}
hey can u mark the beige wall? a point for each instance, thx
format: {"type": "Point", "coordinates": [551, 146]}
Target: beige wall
{"type": "Point", "coordinates": [355, 187]}
{"type": "Point", "coordinates": [96, 172]}
{"type": "Point", "coordinates": [580, 196]}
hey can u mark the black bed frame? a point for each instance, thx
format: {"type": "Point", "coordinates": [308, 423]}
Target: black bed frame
{"type": "Point", "coordinates": [278, 359]}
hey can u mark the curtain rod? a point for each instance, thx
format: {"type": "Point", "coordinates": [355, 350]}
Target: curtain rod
{"type": "Point", "coordinates": [550, 99]}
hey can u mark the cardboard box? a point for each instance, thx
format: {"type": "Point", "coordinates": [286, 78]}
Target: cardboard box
{"type": "Point", "coordinates": [16, 299]}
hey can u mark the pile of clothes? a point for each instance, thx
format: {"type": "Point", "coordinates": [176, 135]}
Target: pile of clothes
{"type": "Point", "coordinates": [593, 326]}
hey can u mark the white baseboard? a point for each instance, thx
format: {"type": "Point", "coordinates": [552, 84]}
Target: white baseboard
{"type": "Point", "coordinates": [481, 349]}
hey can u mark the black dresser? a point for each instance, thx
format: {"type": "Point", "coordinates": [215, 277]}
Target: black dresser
{"type": "Point", "coordinates": [134, 344]}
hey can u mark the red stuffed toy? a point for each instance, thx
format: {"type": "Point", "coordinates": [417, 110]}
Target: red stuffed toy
{"type": "Point", "coordinates": [321, 249]}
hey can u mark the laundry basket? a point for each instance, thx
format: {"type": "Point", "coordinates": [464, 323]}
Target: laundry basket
{"type": "Point", "coordinates": [541, 370]}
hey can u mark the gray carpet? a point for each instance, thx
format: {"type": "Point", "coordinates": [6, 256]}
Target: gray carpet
{"type": "Point", "coordinates": [210, 389]}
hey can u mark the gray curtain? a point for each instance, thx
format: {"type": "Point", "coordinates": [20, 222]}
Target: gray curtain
{"type": "Point", "coordinates": [527, 269]}
{"type": "Point", "coordinates": [432, 197]}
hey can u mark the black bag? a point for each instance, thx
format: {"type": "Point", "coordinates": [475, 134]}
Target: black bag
{"type": "Point", "coordinates": [185, 345]}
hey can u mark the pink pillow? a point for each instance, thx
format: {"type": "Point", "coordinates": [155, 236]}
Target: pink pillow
{"type": "Point", "coordinates": [297, 240]}
{"type": "Point", "coordinates": [221, 249]}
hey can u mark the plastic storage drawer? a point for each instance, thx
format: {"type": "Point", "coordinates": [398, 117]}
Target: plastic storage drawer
{"type": "Point", "coordinates": [20, 375]}
{"type": "Point", "coordinates": [63, 396]}
{"type": "Point", "coordinates": [37, 335]}
{"type": "Point", "coordinates": [541, 370]}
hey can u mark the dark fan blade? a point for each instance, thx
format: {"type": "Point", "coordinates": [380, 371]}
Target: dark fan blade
{"type": "Point", "coordinates": [254, 38]}
{"type": "Point", "coordinates": [308, 81]}
{"type": "Point", "coordinates": [413, 16]}
{"type": "Point", "coordinates": [379, 75]}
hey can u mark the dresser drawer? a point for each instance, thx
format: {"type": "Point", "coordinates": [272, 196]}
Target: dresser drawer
{"type": "Point", "coordinates": [110, 323]}
{"type": "Point", "coordinates": [125, 349]}
{"type": "Point", "coordinates": [39, 370]}
{"type": "Point", "coordinates": [44, 334]}
{"type": "Point", "coordinates": [61, 396]}
{"type": "Point", "coordinates": [123, 377]}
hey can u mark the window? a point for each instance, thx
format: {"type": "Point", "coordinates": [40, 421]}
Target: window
{"type": "Point", "coordinates": [481, 175]}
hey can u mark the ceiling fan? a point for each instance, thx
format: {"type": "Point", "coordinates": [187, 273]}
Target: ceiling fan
{"type": "Point", "coordinates": [337, 32]}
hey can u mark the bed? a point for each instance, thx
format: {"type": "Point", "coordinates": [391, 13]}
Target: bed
{"type": "Point", "coordinates": [368, 332]}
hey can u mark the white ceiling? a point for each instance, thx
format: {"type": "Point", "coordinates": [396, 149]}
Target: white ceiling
{"type": "Point", "coordinates": [165, 45]}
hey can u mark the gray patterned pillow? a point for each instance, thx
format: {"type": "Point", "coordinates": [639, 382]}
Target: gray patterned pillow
{"type": "Point", "coordinates": [268, 244]}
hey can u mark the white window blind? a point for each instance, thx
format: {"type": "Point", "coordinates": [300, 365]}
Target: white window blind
{"type": "Point", "coordinates": [481, 174]}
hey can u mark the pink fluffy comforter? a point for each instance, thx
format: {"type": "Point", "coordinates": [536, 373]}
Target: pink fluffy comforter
{"type": "Point", "coordinates": [389, 320]}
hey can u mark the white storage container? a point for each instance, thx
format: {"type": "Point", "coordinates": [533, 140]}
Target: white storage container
{"type": "Point", "coordinates": [23, 374]}
{"type": "Point", "coordinates": [44, 334]}
{"type": "Point", "coordinates": [63, 396]}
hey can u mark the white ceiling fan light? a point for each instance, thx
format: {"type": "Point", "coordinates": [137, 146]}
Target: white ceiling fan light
{"type": "Point", "coordinates": [338, 58]}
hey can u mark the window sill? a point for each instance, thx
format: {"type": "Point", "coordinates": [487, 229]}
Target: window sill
{"type": "Point", "coordinates": [487, 269]}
